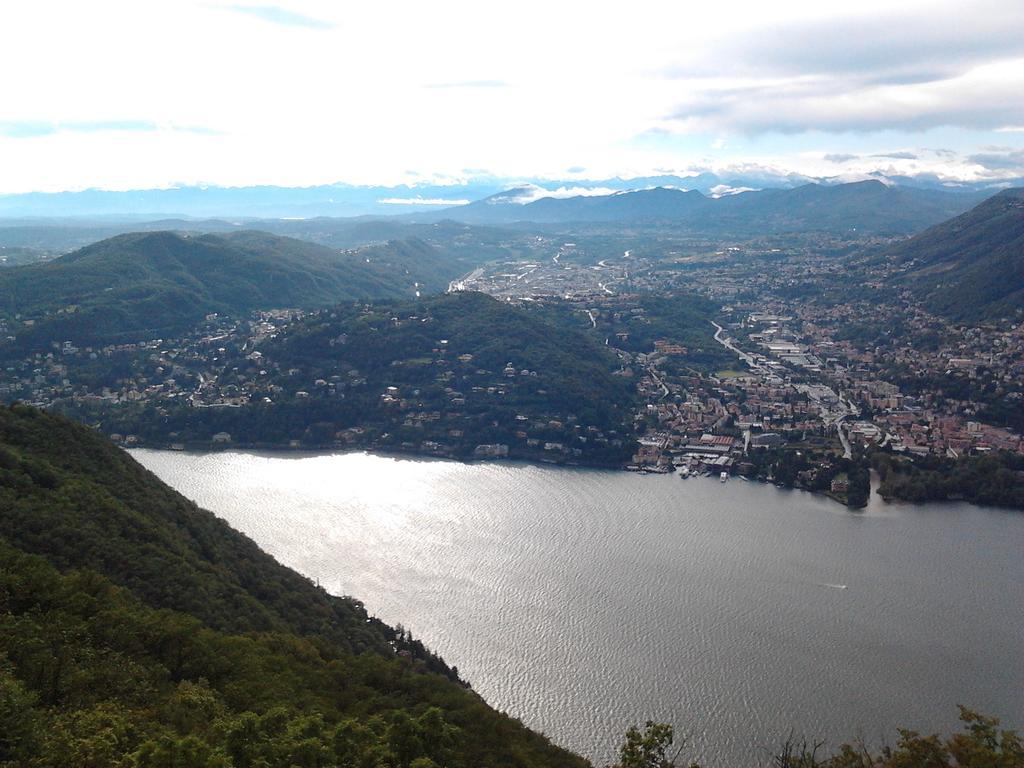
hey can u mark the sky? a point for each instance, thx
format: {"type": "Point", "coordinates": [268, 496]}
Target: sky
{"type": "Point", "coordinates": [151, 94]}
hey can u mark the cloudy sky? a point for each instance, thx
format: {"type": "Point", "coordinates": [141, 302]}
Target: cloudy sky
{"type": "Point", "coordinates": [153, 94]}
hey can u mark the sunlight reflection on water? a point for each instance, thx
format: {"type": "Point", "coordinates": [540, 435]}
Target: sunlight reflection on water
{"type": "Point", "coordinates": [582, 601]}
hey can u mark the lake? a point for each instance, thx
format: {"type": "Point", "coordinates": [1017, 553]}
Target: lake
{"type": "Point", "coordinates": [582, 601]}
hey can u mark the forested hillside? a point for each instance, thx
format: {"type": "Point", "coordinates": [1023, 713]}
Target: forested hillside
{"type": "Point", "coordinates": [972, 267]}
{"type": "Point", "coordinates": [146, 285]}
{"type": "Point", "coordinates": [442, 375]}
{"type": "Point", "coordinates": [139, 630]}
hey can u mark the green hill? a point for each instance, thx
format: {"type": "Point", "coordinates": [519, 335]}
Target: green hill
{"type": "Point", "coordinates": [139, 630]}
{"type": "Point", "coordinates": [970, 267]}
{"type": "Point", "coordinates": [442, 375]}
{"type": "Point", "coordinates": [146, 285]}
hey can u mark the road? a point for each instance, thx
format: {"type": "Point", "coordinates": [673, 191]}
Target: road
{"type": "Point", "coordinates": [847, 451]}
{"type": "Point", "coordinates": [659, 382]}
{"type": "Point", "coordinates": [731, 347]}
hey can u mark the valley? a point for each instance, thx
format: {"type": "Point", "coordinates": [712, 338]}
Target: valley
{"type": "Point", "coordinates": [476, 385]}
{"type": "Point", "coordinates": [656, 349]}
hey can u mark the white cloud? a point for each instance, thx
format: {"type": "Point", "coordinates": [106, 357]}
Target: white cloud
{"type": "Point", "coordinates": [723, 190]}
{"type": "Point", "coordinates": [420, 201]}
{"type": "Point", "coordinates": [301, 92]}
{"type": "Point", "coordinates": [534, 192]}
{"type": "Point", "coordinates": [277, 15]}
{"type": "Point", "coordinates": [985, 97]}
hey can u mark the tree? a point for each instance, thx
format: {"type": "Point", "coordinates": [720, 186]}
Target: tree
{"type": "Point", "coordinates": [648, 748]}
{"type": "Point", "coordinates": [17, 719]}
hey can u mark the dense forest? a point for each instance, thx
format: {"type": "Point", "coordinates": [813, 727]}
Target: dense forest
{"type": "Point", "coordinates": [995, 479]}
{"type": "Point", "coordinates": [971, 267]}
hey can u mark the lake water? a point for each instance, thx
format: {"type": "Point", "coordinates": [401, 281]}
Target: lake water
{"type": "Point", "coordinates": [582, 601]}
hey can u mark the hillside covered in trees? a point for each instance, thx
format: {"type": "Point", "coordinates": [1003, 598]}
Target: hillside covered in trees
{"type": "Point", "coordinates": [972, 267]}
{"type": "Point", "coordinates": [459, 374]}
{"type": "Point", "coordinates": [146, 285]}
{"type": "Point", "coordinates": [139, 630]}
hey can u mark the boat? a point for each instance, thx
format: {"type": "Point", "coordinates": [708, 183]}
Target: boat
{"type": "Point", "coordinates": [724, 476]}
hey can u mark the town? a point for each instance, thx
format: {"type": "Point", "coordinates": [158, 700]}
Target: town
{"type": "Point", "coordinates": [773, 376]}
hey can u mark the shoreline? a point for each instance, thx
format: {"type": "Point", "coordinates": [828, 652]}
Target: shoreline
{"type": "Point", "coordinates": [205, 447]}
{"type": "Point", "coordinates": [395, 453]}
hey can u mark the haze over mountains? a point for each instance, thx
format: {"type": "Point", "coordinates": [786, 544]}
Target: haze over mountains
{"type": "Point", "coordinates": [867, 206]}
{"type": "Point", "coordinates": [354, 200]}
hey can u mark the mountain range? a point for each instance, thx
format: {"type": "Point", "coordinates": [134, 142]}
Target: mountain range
{"type": "Point", "coordinates": [350, 200]}
{"type": "Point", "coordinates": [866, 207]}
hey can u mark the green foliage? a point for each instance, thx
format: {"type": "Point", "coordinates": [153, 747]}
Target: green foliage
{"type": "Point", "coordinates": [996, 479]}
{"type": "Point", "coordinates": [328, 372]}
{"type": "Point", "coordinates": [18, 719]}
{"type": "Point", "coordinates": [979, 744]}
{"type": "Point", "coordinates": [683, 319]}
{"type": "Point", "coordinates": [859, 478]}
{"type": "Point", "coordinates": [647, 748]}
{"type": "Point", "coordinates": [86, 504]}
{"type": "Point", "coordinates": [971, 267]}
{"type": "Point", "coordinates": [813, 469]}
